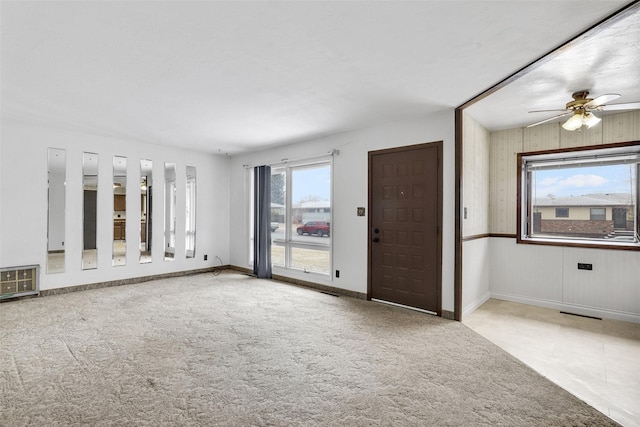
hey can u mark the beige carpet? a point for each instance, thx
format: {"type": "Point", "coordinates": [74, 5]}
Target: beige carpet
{"type": "Point", "coordinates": [232, 350]}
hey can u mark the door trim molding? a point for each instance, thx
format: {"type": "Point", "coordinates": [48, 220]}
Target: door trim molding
{"type": "Point", "coordinates": [439, 147]}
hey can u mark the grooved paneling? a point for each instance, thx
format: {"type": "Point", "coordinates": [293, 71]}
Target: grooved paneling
{"type": "Point", "coordinates": [504, 147]}
{"type": "Point", "coordinates": [542, 137]}
{"type": "Point", "coordinates": [621, 127]}
{"type": "Point", "coordinates": [475, 178]}
{"type": "Point", "coordinates": [531, 271]}
{"type": "Point", "coordinates": [475, 274]}
{"type": "Point", "coordinates": [614, 282]}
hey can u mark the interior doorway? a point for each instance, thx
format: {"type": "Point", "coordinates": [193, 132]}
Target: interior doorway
{"type": "Point", "coordinates": [405, 223]}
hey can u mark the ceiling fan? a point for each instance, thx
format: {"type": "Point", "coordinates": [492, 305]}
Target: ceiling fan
{"type": "Point", "coordinates": [582, 107]}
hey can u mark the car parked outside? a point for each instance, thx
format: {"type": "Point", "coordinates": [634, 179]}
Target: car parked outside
{"type": "Point", "coordinates": [319, 228]}
{"type": "Point", "coordinates": [274, 226]}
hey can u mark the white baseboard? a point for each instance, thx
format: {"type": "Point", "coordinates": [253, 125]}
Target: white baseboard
{"type": "Point", "coordinates": [570, 308]}
{"type": "Point", "coordinates": [474, 305]}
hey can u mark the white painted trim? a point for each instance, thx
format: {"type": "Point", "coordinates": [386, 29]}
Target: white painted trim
{"type": "Point", "coordinates": [474, 305]}
{"type": "Point", "coordinates": [570, 308]}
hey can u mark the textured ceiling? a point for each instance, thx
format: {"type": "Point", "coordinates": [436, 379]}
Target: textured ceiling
{"type": "Point", "coordinates": [230, 77]}
{"type": "Point", "coordinates": [605, 60]}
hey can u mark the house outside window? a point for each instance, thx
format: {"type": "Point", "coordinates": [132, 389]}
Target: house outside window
{"type": "Point", "coordinates": [598, 214]}
{"type": "Point", "coordinates": [580, 197]}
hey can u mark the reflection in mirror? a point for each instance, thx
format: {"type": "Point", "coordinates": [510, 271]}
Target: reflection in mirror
{"type": "Point", "coordinates": [57, 166]}
{"type": "Point", "coordinates": [119, 254]}
{"type": "Point", "coordinates": [190, 235]}
{"type": "Point", "coordinates": [90, 210]}
{"type": "Point", "coordinates": [146, 186]}
{"type": "Point", "coordinates": [169, 211]}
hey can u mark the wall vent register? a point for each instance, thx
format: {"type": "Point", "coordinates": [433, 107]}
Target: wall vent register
{"type": "Point", "coordinates": [19, 281]}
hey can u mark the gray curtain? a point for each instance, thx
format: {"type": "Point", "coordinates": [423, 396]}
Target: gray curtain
{"type": "Point", "coordinates": [262, 222]}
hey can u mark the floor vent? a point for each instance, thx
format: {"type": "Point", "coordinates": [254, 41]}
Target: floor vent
{"type": "Point", "coordinates": [19, 281]}
{"type": "Point", "coordinates": [581, 315]}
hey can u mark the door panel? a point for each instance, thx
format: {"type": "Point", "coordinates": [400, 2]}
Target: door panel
{"type": "Point", "coordinates": [620, 218]}
{"type": "Point", "coordinates": [405, 205]}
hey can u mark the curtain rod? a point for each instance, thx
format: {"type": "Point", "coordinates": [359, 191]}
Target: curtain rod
{"type": "Point", "coordinates": [333, 152]}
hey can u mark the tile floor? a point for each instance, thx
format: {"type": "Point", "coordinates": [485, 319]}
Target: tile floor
{"type": "Point", "coordinates": [596, 360]}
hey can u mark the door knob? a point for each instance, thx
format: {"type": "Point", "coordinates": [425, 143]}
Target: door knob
{"type": "Point", "coordinates": [376, 239]}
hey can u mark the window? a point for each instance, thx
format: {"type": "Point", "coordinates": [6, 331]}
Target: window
{"type": "Point", "coordinates": [580, 197]}
{"type": "Point", "coordinates": [301, 217]}
{"type": "Point", "coordinates": [598, 214]}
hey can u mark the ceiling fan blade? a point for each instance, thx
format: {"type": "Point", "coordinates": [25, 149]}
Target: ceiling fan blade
{"type": "Point", "coordinates": [546, 111]}
{"type": "Point", "coordinates": [624, 106]}
{"type": "Point", "coordinates": [550, 119]}
{"type": "Point", "coordinates": [601, 100]}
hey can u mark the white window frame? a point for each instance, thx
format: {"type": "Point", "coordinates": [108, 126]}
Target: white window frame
{"type": "Point", "coordinates": [607, 154]}
{"type": "Point", "coordinates": [289, 242]}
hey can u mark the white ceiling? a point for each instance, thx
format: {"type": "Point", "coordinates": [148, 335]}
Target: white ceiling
{"type": "Point", "coordinates": [604, 60]}
{"type": "Point", "coordinates": [229, 77]}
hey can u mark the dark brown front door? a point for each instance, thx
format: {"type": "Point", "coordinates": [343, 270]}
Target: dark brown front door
{"type": "Point", "coordinates": [620, 218]}
{"type": "Point", "coordinates": [405, 206]}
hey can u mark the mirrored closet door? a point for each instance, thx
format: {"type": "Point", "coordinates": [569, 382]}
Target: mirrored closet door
{"type": "Point", "coordinates": [146, 206]}
{"type": "Point", "coordinates": [169, 211]}
{"type": "Point", "coordinates": [119, 252]}
{"type": "Point", "coordinates": [190, 233]}
{"type": "Point", "coordinates": [57, 176]}
{"type": "Point", "coordinates": [90, 211]}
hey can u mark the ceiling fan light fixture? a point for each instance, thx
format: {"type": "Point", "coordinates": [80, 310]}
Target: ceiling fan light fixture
{"type": "Point", "coordinates": [575, 122]}
{"type": "Point", "coordinates": [582, 107]}
{"type": "Point", "coordinates": [590, 119]}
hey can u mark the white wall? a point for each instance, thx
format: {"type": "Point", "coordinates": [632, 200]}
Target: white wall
{"type": "Point", "coordinates": [24, 204]}
{"type": "Point", "coordinates": [350, 190]}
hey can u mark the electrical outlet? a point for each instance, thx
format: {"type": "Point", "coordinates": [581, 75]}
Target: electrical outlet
{"type": "Point", "coordinates": [583, 266]}
{"type": "Point", "coordinates": [206, 257]}
{"type": "Point", "coordinates": [337, 274]}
